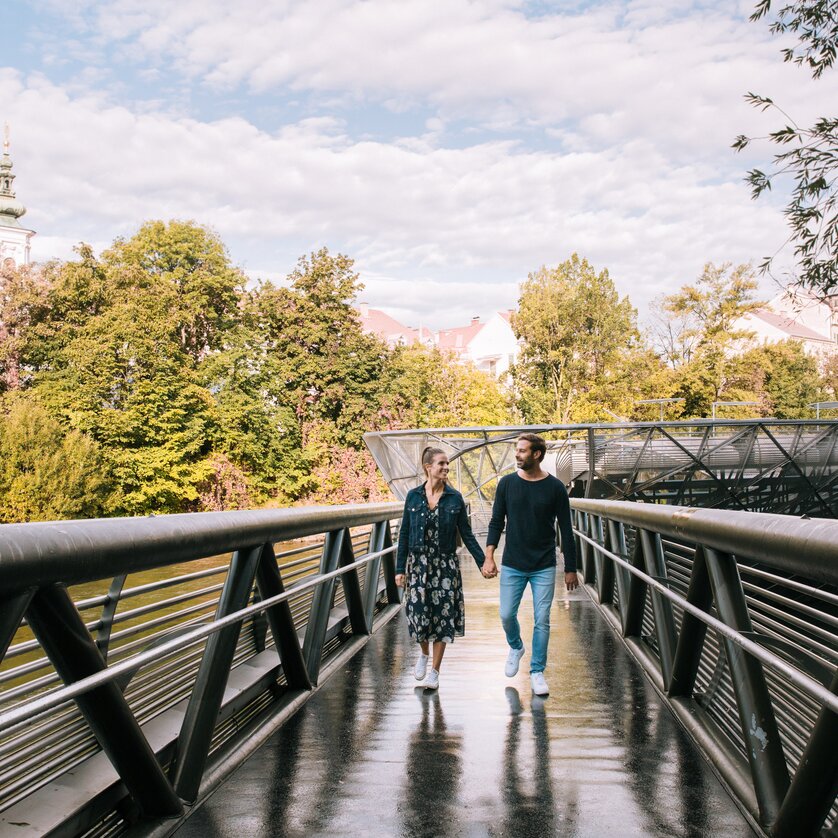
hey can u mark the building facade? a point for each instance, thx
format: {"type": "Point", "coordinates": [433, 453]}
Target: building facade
{"type": "Point", "coordinates": [14, 237]}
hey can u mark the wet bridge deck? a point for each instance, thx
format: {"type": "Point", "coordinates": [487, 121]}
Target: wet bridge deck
{"type": "Point", "coordinates": [372, 754]}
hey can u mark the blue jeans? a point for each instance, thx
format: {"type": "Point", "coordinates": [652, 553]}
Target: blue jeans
{"type": "Point", "coordinates": [543, 584]}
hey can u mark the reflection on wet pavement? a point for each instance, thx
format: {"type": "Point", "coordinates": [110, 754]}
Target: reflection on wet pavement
{"type": "Point", "coordinates": [372, 754]}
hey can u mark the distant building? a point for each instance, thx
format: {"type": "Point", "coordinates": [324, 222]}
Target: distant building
{"type": "Point", "coordinates": [14, 237]}
{"type": "Point", "coordinates": [491, 346]}
{"type": "Point", "coordinates": [799, 316]}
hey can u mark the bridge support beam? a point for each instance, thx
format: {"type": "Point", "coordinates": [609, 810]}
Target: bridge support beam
{"type": "Point", "coordinates": [204, 702]}
{"type": "Point", "coordinates": [281, 622]}
{"type": "Point", "coordinates": [66, 640]}
{"type": "Point", "coordinates": [815, 782]}
{"type": "Point", "coordinates": [693, 630]}
{"type": "Point", "coordinates": [756, 714]}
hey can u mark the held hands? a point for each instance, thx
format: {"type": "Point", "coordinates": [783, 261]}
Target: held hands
{"type": "Point", "coordinates": [399, 580]}
{"type": "Point", "coordinates": [489, 569]}
{"type": "Point", "coordinates": [571, 581]}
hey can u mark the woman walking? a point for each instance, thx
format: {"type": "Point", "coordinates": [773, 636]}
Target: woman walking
{"type": "Point", "coordinates": [427, 562]}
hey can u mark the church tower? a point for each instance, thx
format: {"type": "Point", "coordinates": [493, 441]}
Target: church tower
{"type": "Point", "coordinates": [14, 237]}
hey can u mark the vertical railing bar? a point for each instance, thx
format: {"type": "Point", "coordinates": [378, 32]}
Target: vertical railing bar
{"type": "Point", "coordinates": [195, 737]}
{"type": "Point", "coordinates": [764, 749]}
{"type": "Point", "coordinates": [693, 630]}
{"type": "Point", "coordinates": [62, 634]}
{"type": "Point", "coordinates": [661, 606]}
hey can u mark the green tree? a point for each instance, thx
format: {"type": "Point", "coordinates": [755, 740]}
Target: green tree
{"type": "Point", "coordinates": [707, 312]}
{"type": "Point", "coordinates": [327, 367]}
{"type": "Point", "coordinates": [808, 156]}
{"type": "Point", "coordinates": [121, 347]}
{"type": "Point", "coordinates": [46, 472]}
{"type": "Point", "coordinates": [425, 388]}
{"type": "Point", "coordinates": [781, 377]}
{"type": "Point", "coordinates": [574, 329]}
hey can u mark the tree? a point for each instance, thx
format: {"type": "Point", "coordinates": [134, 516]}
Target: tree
{"type": "Point", "coordinates": [425, 388]}
{"type": "Point", "coordinates": [781, 377]}
{"type": "Point", "coordinates": [707, 313]}
{"type": "Point", "coordinates": [574, 327]}
{"type": "Point", "coordinates": [327, 367]}
{"type": "Point", "coordinates": [808, 156]}
{"type": "Point", "coordinates": [46, 472]}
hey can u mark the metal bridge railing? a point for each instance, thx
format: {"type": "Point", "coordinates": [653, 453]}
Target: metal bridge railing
{"type": "Point", "coordinates": [734, 615]}
{"type": "Point", "coordinates": [137, 700]}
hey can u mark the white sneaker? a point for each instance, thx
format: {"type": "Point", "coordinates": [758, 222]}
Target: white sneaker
{"type": "Point", "coordinates": [513, 659]}
{"type": "Point", "coordinates": [432, 681]}
{"type": "Point", "coordinates": [539, 685]}
{"type": "Point", "coordinates": [421, 667]}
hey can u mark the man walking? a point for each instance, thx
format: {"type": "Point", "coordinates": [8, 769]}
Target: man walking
{"type": "Point", "coordinates": [529, 502]}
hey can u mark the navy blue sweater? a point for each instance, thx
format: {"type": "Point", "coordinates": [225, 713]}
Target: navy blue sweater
{"type": "Point", "coordinates": [529, 510]}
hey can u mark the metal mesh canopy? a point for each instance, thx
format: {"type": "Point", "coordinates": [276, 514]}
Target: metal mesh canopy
{"type": "Point", "coordinates": [779, 466]}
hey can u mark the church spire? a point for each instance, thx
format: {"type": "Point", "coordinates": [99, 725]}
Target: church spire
{"type": "Point", "coordinates": [10, 209]}
{"type": "Point", "coordinates": [14, 237]}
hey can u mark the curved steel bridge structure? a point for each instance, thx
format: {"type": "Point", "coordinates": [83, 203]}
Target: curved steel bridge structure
{"type": "Point", "coordinates": [787, 467]}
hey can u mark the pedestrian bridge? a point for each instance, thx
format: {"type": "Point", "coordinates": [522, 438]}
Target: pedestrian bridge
{"type": "Point", "coordinates": [249, 672]}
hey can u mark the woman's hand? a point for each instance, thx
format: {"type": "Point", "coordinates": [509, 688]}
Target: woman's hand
{"type": "Point", "coordinates": [399, 580]}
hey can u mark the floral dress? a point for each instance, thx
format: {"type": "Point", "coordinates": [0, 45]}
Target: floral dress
{"type": "Point", "coordinates": [434, 603]}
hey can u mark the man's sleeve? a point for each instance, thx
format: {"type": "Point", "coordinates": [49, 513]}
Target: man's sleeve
{"type": "Point", "coordinates": [498, 516]}
{"type": "Point", "coordinates": [566, 530]}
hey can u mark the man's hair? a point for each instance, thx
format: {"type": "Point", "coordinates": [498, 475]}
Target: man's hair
{"type": "Point", "coordinates": [537, 443]}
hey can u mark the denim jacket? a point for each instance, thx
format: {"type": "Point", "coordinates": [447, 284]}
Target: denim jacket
{"type": "Point", "coordinates": [452, 517]}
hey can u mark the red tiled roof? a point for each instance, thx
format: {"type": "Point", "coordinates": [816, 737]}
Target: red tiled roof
{"type": "Point", "coordinates": [791, 327]}
{"type": "Point", "coordinates": [458, 338]}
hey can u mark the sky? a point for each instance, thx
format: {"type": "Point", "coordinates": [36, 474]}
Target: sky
{"type": "Point", "coordinates": [450, 148]}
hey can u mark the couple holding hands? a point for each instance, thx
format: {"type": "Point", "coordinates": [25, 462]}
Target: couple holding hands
{"type": "Point", "coordinates": [528, 503]}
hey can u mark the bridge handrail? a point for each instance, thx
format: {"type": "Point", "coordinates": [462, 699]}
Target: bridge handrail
{"type": "Point", "coordinates": [805, 546]}
{"type": "Point", "coordinates": [191, 710]}
{"type": "Point", "coordinates": [80, 551]}
{"type": "Point", "coordinates": [769, 731]}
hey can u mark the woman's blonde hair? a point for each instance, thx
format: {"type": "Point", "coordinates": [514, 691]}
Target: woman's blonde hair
{"type": "Point", "coordinates": [428, 456]}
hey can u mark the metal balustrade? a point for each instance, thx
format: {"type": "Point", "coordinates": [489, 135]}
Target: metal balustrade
{"type": "Point", "coordinates": [734, 616]}
{"type": "Point", "coordinates": [120, 711]}
{"type": "Point", "coordinates": [766, 465]}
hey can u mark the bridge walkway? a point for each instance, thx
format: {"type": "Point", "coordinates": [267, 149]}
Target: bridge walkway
{"type": "Point", "coordinates": [371, 753]}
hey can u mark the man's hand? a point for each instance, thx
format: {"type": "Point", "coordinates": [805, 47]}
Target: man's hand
{"type": "Point", "coordinates": [571, 581]}
{"type": "Point", "coordinates": [399, 580]}
{"type": "Point", "coordinates": [489, 569]}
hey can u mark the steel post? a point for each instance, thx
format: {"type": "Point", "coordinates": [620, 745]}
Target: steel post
{"type": "Point", "coordinates": [352, 589]}
{"type": "Point", "coordinates": [72, 651]}
{"type": "Point", "coordinates": [606, 586]}
{"type": "Point", "coordinates": [636, 598]}
{"type": "Point", "coordinates": [374, 545]}
{"type": "Point", "coordinates": [661, 606]}
{"type": "Point", "coordinates": [202, 711]}
{"type": "Point", "coordinates": [618, 545]}
{"type": "Point", "coordinates": [321, 604]}
{"type": "Point", "coordinates": [103, 635]}
{"type": "Point", "coordinates": [815, 783]}
{"type": "Point", "coordinates": [693, 630]}
{"type": "Point", "coordinates": [756, 714]}
{"type": "Point", "coordinates": [281, 622]}
{"type": "Point", "coordinates": [12, 609]}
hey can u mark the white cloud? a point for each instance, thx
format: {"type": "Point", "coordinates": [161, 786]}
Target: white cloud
{"type": "Point", "coordinates": [605, 133]}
